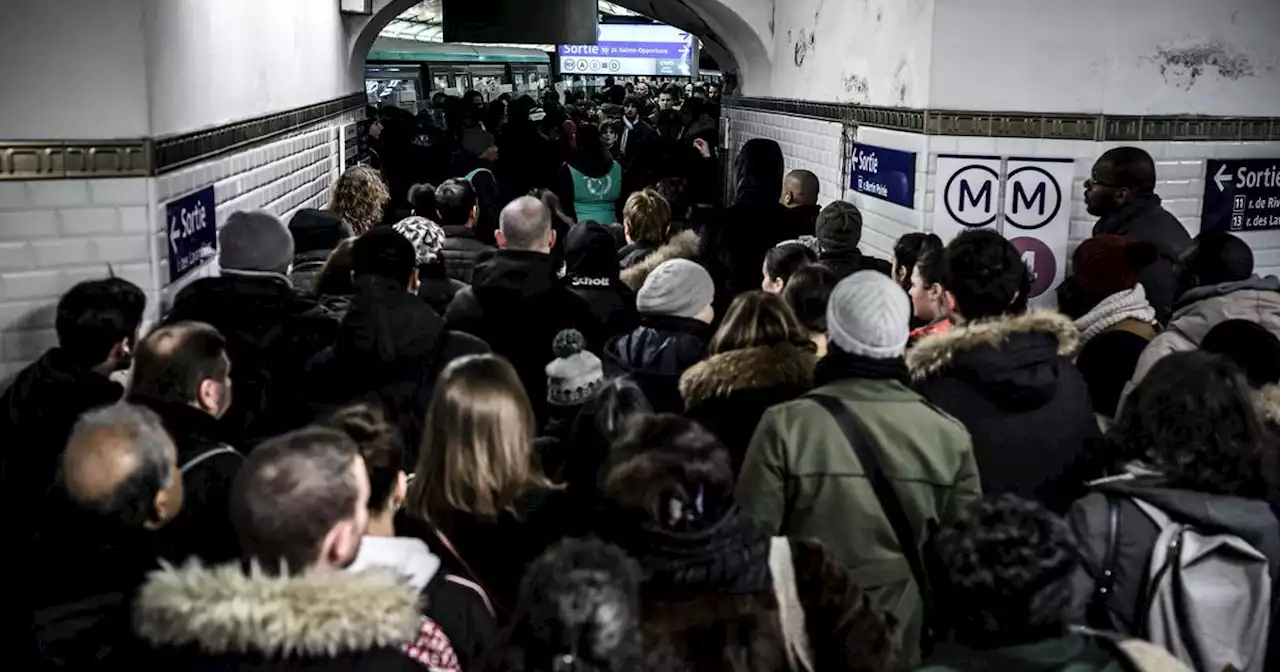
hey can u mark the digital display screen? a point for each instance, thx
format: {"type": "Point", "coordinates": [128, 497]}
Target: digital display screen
{"type": "Point", "coordinates": [630, 49]}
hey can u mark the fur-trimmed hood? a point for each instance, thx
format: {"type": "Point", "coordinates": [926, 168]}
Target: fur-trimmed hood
{"type": "Point", "coordinates": [1269, 403]}
{"type": "Point", "coordinates": [226, 611]}
{"type": "Point", "coordinates": [933, 354]}
{"type": "Point", "coordinates": [683, 245]}
{"type": "Point", "coordinates": [748, 369]}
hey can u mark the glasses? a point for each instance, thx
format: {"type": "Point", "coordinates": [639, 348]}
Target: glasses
{"type": "Point", "coordinates": [1090, 183]}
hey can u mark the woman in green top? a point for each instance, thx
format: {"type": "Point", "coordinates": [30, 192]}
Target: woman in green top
{"type": "Point", "coordinates": [590, 182]}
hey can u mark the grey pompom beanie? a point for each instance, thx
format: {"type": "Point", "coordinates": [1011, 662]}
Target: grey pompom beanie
{"type": "Point", "coordinates": [677, 287]}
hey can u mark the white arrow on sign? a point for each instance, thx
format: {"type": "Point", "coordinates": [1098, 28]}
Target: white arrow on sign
{"type": "Point", "coordinates": [1222, 177]}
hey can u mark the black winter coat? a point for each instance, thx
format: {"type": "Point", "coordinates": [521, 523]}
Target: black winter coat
{"type": "Point", "coordinates": [389, 352]}
{"type": "Point", "coordinates": [462, 250]}
{"type": "Point", "coordinates": [517, 307]}
{"type": "Point", "coordinates": [272, 332]}
{"type": "Point", "coordinates": [657, 353]}
{"type": "Point", "coordinates": [1107, 362]}
{"type": "Point", "coordinates": [1147, 220]}
{"type": "Point", "coordinates": [37, 413]}
{"type": "Point", "coordinates": [79, 577]}
{"type": "Point", "coordinates": [726, 392]}
{"type": "Point", "coordinates": [845, 265]}
{"type": "Point", "coordinates": [330, 621]}
{"type": "Point", "coordinates": [1012, 384]}
{"type": "Point", "coordinates": [591, 272]}
{"type": "Point", "coordinates": [209, 465]}
{"type": "Point", "coordinates": [438, 290]}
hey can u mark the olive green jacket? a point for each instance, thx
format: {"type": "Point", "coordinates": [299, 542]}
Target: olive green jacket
{"type": "Point", "coordinates": [802, 479]}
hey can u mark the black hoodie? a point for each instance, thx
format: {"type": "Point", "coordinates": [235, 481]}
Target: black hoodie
{"type": "Point", "coordinates": [516, 305]}
{"type": "Point", "coordinates": [592, 273]}
{"type": "Point", "coordinates": [757, 220]}
{"type": "Point", "coordinates": [1011, 383]}
{"type": "Point", "coordinates": [389, 350]}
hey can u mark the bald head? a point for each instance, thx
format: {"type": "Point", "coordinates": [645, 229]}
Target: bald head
{"type": "Point", "coordinates": [120, 463]}
{"type": "Point", "coordinates": [525, 224]}
{"type": "Point", "coordinates": [800, 188]}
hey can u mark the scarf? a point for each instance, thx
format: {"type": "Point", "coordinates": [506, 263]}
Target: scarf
{"type": "Point", "coordinates": [839, 365]}
{"type": "Point", "coordinates": [728, 558]}
{"type": "Point", "coordinates": [1121, 306]}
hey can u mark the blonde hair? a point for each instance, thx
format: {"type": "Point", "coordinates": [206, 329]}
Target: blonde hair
{"type": "Point", "coordinates": [477, 447]}
{"type": "Point", "coordinates": [647, 216]}
{"type": "Point", "coordinates": [758, 319]}
{"type": "Point", "coordinates": [359, 198]}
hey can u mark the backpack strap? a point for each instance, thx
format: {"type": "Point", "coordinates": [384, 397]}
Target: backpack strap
{"type": "Point", "coordinates": [1107, 579]}
{"type": "Point", "coordinates": [790, 611]}
{"type": "Point", "coordinates": [889, 502]}
{"type": "Point", "coordinates": [472, 175]}
{"type": "Point", "coordinates": [222, 449]}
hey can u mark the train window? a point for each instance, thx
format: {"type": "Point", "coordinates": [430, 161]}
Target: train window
{"type": "Point", "coordinates": [441, 82]}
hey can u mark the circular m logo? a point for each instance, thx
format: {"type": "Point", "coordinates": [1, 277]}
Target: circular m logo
{"type": "Point", "coordinates": [971, 196]}
{"type": "Point", "coordinates": [1034, 198]}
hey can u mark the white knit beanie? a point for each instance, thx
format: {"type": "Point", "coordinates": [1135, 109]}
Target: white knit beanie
{"type": "Point", "coordinates": [869, 315]}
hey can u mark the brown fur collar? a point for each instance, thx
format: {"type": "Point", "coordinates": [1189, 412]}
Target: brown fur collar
{"type": "Point", "coordinates": [225, 611]}
{"type": "Point", "coordinates": [683, 245]}
{"type": "Point", "coordinates": [1269, 403]}
{"type": "Point", "coordinates": [935, 353]}
{"type": "Point", "coordinates": [750, 369]}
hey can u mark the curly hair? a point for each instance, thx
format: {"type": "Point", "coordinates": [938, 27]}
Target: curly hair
{"type": "Point", "coordinates": [359, 198]}
{"type": "Point", "coordinates": [1195, 419]}
{"type": "Point", "coordinates": [1007, 566]}
{"type": "Point", "coordinates": [986, 275]}
{"type": "Point", "coordinates": [579, 611]}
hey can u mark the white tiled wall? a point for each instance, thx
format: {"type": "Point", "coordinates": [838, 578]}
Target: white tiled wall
{"type": "Point", "coordinates": [281, 177]}
{"type": "Point", "coordinates": [815, 145]}
{"type": "Point", "coordinates": [808, 144]}
{"type": "Point", "coordinates": [56, 233]}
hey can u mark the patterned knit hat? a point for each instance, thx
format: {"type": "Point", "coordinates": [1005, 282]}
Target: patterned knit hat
{"type": "Point", "coordinates": [427, 238]}
{"type": "Point", "coordinates": [575, 375]}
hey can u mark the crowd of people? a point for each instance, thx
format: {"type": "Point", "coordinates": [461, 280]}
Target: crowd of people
{"type": "Point", "coordinates": [556, 407]}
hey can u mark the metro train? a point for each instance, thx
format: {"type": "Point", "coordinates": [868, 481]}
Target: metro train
{"type": "Point", "coordinates": [406, 72]}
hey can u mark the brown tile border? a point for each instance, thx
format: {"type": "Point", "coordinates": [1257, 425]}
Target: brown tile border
{"type": "Point", "coordinates": [1057, 126]}
{"type": "Point", "coordinates": [80, 159]}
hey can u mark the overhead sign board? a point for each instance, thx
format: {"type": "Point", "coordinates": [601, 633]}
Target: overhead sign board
{"type": "Point", "coordinates": [886, 174]}
{"type": "Point", "coordinates": [193, 232]}
{"type": "Point", "coordinates": [1241, 195]}
{"type": "Point", "coordinates": [631, 49]}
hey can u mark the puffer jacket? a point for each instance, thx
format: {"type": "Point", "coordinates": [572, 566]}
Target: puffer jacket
{"type": "Point", "coordinates": [1011, 382]}
{"type": "Point", "coordinates": [657, 353]}
{"type": "Point", "coordinates": [1203, 308]}
{"type": "Point", "coordinates": [462, 250]}
{"type": "Point", "coordinates": [683, 245]}
{"type": "Point", "coordinates": [801, 478]}
{"type": "Point", "coordinates": [723, 389]}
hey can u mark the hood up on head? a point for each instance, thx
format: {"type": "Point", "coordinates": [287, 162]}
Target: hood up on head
{"type": "Point", "coordinates": [758, 168]}
{"type": "Point", "coordinates": [590, 251]}
{"type": "Point", "coordinates": [226, 611]}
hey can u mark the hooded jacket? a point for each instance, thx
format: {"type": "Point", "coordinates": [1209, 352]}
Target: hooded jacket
{"type": "Point", "coordinates": [1146, 220]}
{"type": "Point", "coordinates": [271, 332]}
{"type": "Point", "coordinates": [318, 620]}
{"type": "Point", "coordinates": [683, 245]}
{"type": "Point", "coordinates": [460, 609]}
{"type": "Point", "coordinates": [656, 353]}
{"type": "Point", "coordinates": [591, 272]}
{"type": "Point", "coordinates": [37, 414]}
{"type": "Point", "coordinates": [389, 351]}
{"type": "Point", "coordinates": [1203, 308]}
{"type": "Point", "coordinates": [1254, 521]}
{"type": "Point", "coordinates": [801, 478]}
{"type": "Point", "coordinates": [746, 230]}
{"type": "Point", "coordinates": [203, 528]}
{"type": "Point", "coordinates": [517, 307]}
{"type": "Point", "coordinates": [1011, 382]}
{"type": "Point", "coordinates": [722, 390]}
